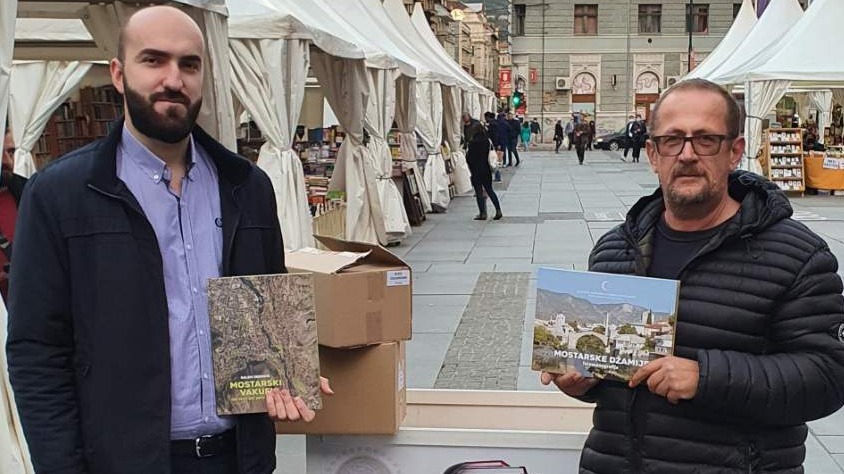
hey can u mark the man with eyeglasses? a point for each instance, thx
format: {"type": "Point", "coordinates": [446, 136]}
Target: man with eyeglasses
{"type": "Point", "coordinates": [11, 189]}
{"type": "Point", "coordinates": [759, 344]}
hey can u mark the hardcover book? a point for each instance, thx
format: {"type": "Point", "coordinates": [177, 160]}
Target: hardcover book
{"type": "Point", "coordinates": [602, 325]}
{"type": "Point", "coordinates": [263, 335]}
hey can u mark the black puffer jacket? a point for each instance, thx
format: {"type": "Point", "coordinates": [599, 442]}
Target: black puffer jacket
{"type": "Point", "coordinates": [760, 310]}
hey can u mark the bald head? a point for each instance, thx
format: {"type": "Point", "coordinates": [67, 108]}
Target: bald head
{"type": "Point", "coordinates": [159, 71]}
{"type": "Point", "coordinates": [159, 17]}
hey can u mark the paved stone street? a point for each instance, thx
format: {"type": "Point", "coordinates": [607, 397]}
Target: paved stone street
{"type": "Point", "coordinates": [474, 282]}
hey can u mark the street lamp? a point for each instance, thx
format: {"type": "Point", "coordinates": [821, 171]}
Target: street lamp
{"type": "Point", "coordinates": [691, 28]}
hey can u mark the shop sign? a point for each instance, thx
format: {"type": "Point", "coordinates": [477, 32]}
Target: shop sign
{"type": "Point", "coordinates": [533, 75]}
{"type": "Point", "coordinates": [505, 82]}
{"type": "Point", "coordinates": [833, 163]}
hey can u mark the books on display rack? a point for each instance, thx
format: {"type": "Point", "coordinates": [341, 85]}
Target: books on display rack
{"type": "Point", "coordinates": [602, 325]}
{"type": "Point", "coordinates": [263, 335]}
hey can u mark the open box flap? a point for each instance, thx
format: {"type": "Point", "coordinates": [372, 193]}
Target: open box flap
{"type": "Point", "coordinates": [322, 261]}
{"type": "Point", "coordinates": [376, 252]}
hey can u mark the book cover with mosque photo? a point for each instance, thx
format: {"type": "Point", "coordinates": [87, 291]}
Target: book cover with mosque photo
{"type": "Point", "coordinates": [263, 335]}
{"type": "Point", "coordinates": [602, 325]}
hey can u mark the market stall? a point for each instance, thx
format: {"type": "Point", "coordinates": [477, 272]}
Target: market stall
{"type": "Point", "coordinates": [794, 61]}
{"type": "Point", "coordinates": [759, 45]}
{"type": "Point", "coordinates": [270, 57]}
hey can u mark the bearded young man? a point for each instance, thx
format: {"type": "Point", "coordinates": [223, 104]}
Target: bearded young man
{"type": "Point", "coordinates": [759, 344]}
{"type": "Point", "coordinates": [109, 344]}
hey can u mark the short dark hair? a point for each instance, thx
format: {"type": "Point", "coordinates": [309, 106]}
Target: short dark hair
{"type": "Point", "coordinates": [733, 118]}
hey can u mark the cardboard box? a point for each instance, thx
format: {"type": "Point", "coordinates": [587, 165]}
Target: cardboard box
{"type": "Point", "coordinates": [363, 292]}
{"type": "Point", "coordinates": [369, 392]}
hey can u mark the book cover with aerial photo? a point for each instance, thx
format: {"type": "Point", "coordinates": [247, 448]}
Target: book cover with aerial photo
{"type": "Point", "coordinates": [602, 325]}
{"type": "Point", "coordinates": [263, 335]}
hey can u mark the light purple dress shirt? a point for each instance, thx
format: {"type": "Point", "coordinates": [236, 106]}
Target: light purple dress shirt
{"type": "Point", "coordinates": [191, 246]}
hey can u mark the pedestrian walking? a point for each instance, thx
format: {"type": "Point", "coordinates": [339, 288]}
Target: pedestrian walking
{"type": "Point", "coordinates": [536, 132]}
{"type": "Point", "coordinates": [513, 139]}
{"type": "Point", "coordinates": [525, 136]}
{"type": "Point", "coordinates": [628, 135]}
{"type": "Point", "coordinates": [591, 135]}
{"type": "Point", "coordinates": [480, 172]}
{"type": "Point", "coordinates": [581, 137]}
{"type": "Point", "coordinates": [570, 133]}
{"type": "Point", "coordinates": [638, 131]}
{"type": "Point", "coordinates": [503, 132]}
{"type": "Point", "coordinates": [558, 135]}
{"type": "Point", "coordinates": [759, 341]}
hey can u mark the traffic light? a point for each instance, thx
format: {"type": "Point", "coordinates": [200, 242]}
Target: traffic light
{"type": "Point", "coordinates": [518, 99]}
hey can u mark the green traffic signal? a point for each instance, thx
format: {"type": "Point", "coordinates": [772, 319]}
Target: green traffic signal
{"type": "Point", "coordinates": [517, 99]}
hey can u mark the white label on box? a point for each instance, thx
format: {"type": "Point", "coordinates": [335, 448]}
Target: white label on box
{"type": "Point", "coordinates": [398, 278]}
{"type": "Point", "coordinates": [400, 381]}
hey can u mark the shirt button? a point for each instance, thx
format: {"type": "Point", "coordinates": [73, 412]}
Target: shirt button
{"type": "Point", "coordinates": [155, 177]}
{"type": "Point", "coordinates": [195, 290]}
{"type": "Point", "coordinates": [188, 246]}
{"type": "Point", "coordinates": [205, 419]}
{"type": "Point", "coordinates": [205, 376]}
{"type": "Point", "coordinates": [201, 332]}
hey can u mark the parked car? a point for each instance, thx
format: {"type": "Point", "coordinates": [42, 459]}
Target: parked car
{"type": "Point", "coordinates": [612, 141]}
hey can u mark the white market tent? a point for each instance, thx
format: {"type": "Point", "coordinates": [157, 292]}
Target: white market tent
{"type": "Point", "coordinates": [741, 28]}
{"type": "Point", "coordinates": [392, 97]}
{"type": "Point", "coordinates": [360, 93]}
{"type": "Point", "coordinates": [774, 24]}
{"type": "Point", "coordinates": [799, 57]}
{"type": "Point", "coordinates": [795, 62]}
{"type": "Point", "coordinates": [452, 99]}
{"type": "Point", "coordinates": [270, 57]}
{"type": "Point", "coordinates": [430, 73]}
{"type": "Point", "coordinates": [430, 109]}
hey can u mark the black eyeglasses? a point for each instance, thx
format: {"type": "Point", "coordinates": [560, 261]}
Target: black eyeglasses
{"type": "Point", "coordinates": [703, 145]}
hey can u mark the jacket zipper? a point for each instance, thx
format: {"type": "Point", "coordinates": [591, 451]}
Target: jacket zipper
{"type": "Point", "coordinates": [752, 455]}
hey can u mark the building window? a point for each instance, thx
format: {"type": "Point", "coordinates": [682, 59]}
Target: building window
{"type": "Point", "coordinates": [650, 18]}
{"type": "Point", "coordinates": [736, 10]}
{"type": "Point", "coordinates": [586, 19]}
{"type": "Point", "coordinates": [519, 19]}
{"type": "Point", "coordinates": [699, 19]}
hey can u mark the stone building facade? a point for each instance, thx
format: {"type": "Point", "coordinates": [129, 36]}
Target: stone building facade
{"type": "Point", "coordinates": [607, 58]}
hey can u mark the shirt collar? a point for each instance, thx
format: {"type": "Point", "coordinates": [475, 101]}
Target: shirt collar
{"type": "Point", "coordinates": [152, 166]}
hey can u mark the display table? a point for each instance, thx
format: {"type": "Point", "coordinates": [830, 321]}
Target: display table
{"type": "Point", "coordinates": [818, 177]}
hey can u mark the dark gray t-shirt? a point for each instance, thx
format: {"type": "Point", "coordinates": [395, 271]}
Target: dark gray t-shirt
{"type": "Point", "coordinates": [673, 249]}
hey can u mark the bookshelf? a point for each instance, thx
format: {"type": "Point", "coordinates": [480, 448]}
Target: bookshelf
{"type": "Point", "coordinates": [101, 106]}
{"type": "Point", "coordinates": [75, 124]}
{"type": "Point", "coordinates": [784, 158]}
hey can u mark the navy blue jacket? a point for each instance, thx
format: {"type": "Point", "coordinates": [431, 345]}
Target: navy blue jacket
{"type": "Point", "coordinates": [503, 131]}
{"type": "Point", "coordinates": [88, 343]}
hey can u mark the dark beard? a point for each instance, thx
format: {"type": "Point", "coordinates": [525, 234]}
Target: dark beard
{"type": "Point", "coordinates": [168, 127]}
